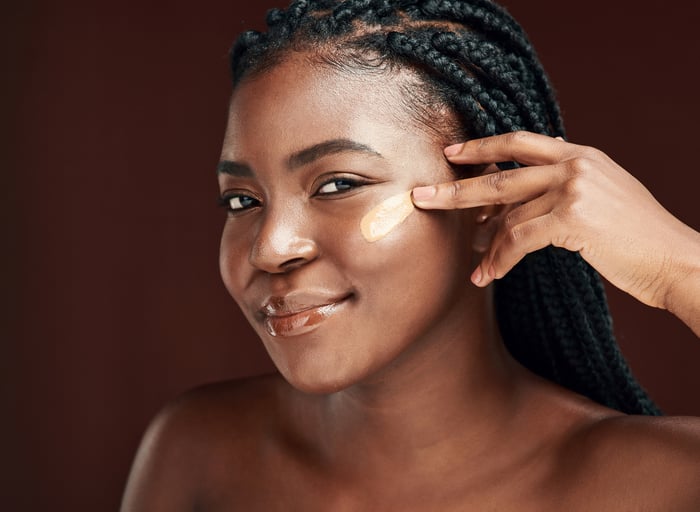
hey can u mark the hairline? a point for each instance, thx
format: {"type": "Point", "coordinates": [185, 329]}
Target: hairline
{"type": "Point", "coordinates": [405, 76]}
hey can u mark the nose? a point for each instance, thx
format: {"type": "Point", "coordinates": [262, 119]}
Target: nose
{"type": "Point", "coordinates": [283, 242]}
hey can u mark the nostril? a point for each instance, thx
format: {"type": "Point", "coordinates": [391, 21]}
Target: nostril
{"type": "Point", "coordinates": [292, 264]}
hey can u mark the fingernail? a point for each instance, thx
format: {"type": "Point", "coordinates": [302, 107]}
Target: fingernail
{"type": "Point", "coordinates": [423, 193]}
{"type": "Point", "coordinates": [453, 150]}
{"type": "Point", "coordinates": [477, 275]}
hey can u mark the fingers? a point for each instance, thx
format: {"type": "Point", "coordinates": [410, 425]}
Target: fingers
{"type": "Point", "coordinates": [502, 187]}
{"type": "Point", "coordinates": [524, 229]}
{"type": "Point", "coordinates": [511, 245]}
{"type": "Point", "coordinates": [530, 210]}
{"type": "Point", "coordinates": [523, 147]}
{"type": "Point", "coordinates": [540, 196]}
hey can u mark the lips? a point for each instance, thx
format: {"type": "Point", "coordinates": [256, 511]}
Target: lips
{"type": "Point", "coordinates": [299, 313]}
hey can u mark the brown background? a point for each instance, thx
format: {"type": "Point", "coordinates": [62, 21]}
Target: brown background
{"type": "Point", "coordinates": [114, 117]}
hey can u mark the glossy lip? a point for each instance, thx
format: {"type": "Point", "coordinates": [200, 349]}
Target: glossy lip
{"type": "Point", "coordinates": [298, 313]}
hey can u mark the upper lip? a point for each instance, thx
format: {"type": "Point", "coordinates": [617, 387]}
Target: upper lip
{"type": "Point", "coordinates": [296, 302]}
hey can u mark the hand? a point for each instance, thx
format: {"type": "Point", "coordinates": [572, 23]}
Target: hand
{"type": "Point", "coordinates": [573, 197]}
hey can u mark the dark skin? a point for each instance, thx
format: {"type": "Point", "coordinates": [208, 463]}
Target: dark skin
{"type": "Point", "coordinates": [403, 397]}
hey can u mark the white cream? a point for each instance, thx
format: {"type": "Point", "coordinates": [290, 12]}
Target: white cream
{"type": "Point", "coordinates": [387, 215]}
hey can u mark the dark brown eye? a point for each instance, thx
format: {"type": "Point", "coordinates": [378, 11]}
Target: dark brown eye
{"type": "Point", "coordinates": [337, 185]}
{"type": "Point", "coordinates": [238, 202]}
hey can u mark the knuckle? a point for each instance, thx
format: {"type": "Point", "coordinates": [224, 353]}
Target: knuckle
{"type": "Point", "coordinates": [518, 137]}
{"type": "Point", "coordinates": [591, 153]}
{"type": "Point", "coordinates": [497, 181]}
{"type": "Point", "coordinates": [579, 166]}
{"type": "Point", "coordinates": [454, 192]}
{"type": "Point", "coordinates": [514, 234]}
{"type": "Point", "coordinates": [511, 219]}
{"type": "Point", "coordinates": [587, 161]}
{"type": "Point", "coordinates": [579, 175]}
{"type": "Point", "coordinates": [573, 189]}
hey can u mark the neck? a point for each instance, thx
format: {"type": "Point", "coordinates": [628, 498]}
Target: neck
{"type": "Point", "coordinates": [451, 388]}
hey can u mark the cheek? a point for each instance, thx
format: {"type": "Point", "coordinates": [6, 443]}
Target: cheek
{"type": "Point", "coordinates": [425, 248]}
{"type": "Point", "coordinates": [386, 216]}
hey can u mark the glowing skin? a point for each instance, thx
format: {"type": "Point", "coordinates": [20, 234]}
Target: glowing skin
{"type": "Point", "coordinates": [387, 215]}
{"type": "Point", "coordinates": [298, 191]}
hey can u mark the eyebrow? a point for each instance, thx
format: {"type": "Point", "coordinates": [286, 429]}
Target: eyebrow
{"type": "Point", "coordinates": [329, 147]}
{"type": "Point", "coordinates": [234, 169]}
{"type": "Point", "coordinates": [303, 157]}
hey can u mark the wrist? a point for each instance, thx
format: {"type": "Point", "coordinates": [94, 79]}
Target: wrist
{"type": "Point", "coordinates": [682, 296]}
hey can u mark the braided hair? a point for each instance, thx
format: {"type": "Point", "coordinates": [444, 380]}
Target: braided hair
{"type": "Point", "coordinates": [474, 60]}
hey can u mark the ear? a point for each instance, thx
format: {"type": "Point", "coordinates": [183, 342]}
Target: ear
{"type": "Point", "coordinates": [487, 221]}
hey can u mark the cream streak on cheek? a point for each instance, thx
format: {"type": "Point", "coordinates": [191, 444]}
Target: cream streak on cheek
{"type": "Point", "coordinates": [383, 218]}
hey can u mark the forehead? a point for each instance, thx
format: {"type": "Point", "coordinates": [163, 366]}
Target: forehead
{"type": "Point", "coordinates": [297, 103]}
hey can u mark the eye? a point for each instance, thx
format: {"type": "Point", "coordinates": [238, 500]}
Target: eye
{"type": "Point", "coordinates": [238, 202]}
{"type": "Point", "coordinates": [337, 185]}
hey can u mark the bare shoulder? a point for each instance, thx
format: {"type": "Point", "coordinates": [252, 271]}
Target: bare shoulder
{"type": "Point", "coordinates": [192, 438]}
{"type": "Point", "coordinates": [232, 406]}
{"type": "Point", "coordinates": [653, 462]}
{"type": "Point", "coordinates": [657, 444]}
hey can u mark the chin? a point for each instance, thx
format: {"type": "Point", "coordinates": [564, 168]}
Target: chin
{"type": "Point", "coordinates": [319, 381]}
{"type": "Point", "coordinates": [318, 388]}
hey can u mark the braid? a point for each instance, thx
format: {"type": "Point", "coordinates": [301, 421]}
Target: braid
{"type": "Point", "coordinates": [501, 28]}
{"type": "Point", "coordinates": [478, 105]}
{"type": "Point", "coordinates": [474, 58]}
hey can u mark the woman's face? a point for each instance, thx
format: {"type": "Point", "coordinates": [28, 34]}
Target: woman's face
{"type": "Point", "coordinates": [308, 152]}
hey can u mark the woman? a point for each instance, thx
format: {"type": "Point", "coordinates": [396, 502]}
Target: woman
{"type": "Point", "coordinates": [408, 379]}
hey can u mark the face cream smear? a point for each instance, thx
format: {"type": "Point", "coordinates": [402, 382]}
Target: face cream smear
{"type": "Point", "coordinates": [384, 217]}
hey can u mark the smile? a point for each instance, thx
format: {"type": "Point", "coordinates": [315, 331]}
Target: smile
{"type": "Point", "coordinates": [287, 318]}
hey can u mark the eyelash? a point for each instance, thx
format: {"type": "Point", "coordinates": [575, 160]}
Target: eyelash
{"type": "Point", "coordinates": [349, 184]}
{"type": "Point", "coordinates": [243, 201]}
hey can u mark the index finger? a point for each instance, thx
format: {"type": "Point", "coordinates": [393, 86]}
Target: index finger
{"type": "Point", "coordinates": [502, 187]}
{"type": "Point", "coordinates": [523, 147]}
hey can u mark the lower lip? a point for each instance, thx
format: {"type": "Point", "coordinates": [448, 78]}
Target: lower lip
{"type": "Point", "coordinates": [299, 323]}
